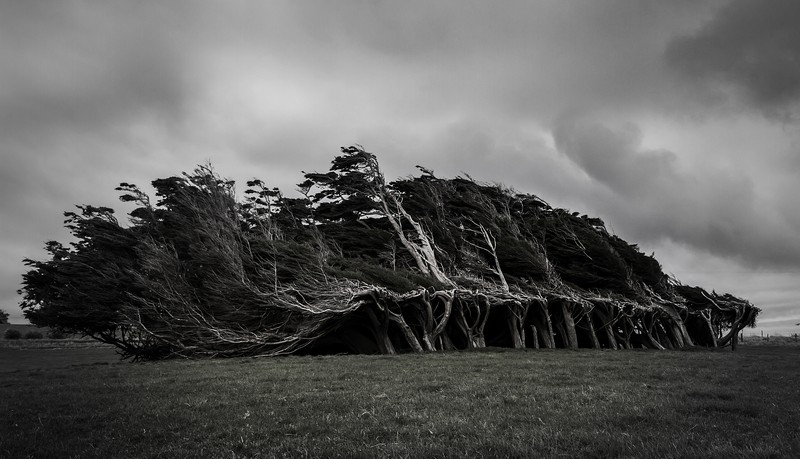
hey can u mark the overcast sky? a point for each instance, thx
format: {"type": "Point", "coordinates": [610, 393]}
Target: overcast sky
{"type": "Point", "coordinates": [676, 122]}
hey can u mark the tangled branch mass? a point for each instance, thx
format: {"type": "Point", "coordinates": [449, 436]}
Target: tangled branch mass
{"type": "Point", "coordinates": [359, 265]}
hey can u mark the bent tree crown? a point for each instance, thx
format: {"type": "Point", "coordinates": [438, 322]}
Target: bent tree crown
{"type": "Point", "coordinates": [360, 265]}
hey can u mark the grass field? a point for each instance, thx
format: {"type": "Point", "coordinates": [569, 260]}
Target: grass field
{"type": "Point", "coordinates": [463, 404]}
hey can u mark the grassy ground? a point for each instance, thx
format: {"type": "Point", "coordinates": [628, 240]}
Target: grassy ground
{"type": "Point", "coordinates": [774, 340]}
{"type": "Point", "coordinates": [55, 355]}
{"type": "Point", "coordinates": [47, 343]}
{"type": "Point", "coordinates": [478, 404]}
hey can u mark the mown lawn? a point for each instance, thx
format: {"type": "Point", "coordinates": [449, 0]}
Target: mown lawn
{"type": "Point", "coordinates": [463, 404]}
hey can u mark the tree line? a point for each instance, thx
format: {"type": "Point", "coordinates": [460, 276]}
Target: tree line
{"type": "Point", "coordinates": [362, 265]}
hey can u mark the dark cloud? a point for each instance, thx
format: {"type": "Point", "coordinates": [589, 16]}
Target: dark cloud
{"type": "Point", "coordinates": [613, 157]}
{"type": "Point", "coordinates": [81, 82]}
{"type": "Point", "coordinates": [711, 209]}
{"type": "Point", "coordinates": [524, 60]}
{"type": "Point", "coordinates": [752, 46]}
{"type": "Point", "coordinates": [79, 67]}
{"type": "Point", "coordinates": [98, 93]}
{"type": "Point", "coordinates": [516, 156]}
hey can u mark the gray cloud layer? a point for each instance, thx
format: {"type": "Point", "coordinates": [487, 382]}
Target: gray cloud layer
{"type": "Point", "coordinates": [750, 45]}
{"type": "Point", "coordinates": [712, 210]}
{"type": "Point", "coordinates": [648, 114]}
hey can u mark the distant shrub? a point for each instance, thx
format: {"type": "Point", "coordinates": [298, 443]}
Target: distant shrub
{"type": "Point", "coordinates": [55, 333]}
{"type": "Point", "coordinates": [33, 335]}
{"type": "Point", "coordinates": [12, 334]}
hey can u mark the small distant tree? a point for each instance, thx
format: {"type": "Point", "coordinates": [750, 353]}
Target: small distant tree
{"type": "Point", "coordinates": [55, 333]}
{"type": "Point", "coordinates": [3, 317]}
{"type": "Point", "coordinates": [12, 334]}
{"type": "Point", "coordinates": [33, 335]}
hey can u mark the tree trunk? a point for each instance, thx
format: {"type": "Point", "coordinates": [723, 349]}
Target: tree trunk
{"type": "Point", "coordinates": [683, 333]}
{"type": "Point", "coordinates": [677, 335]}
{"type": "Point", "coordinates": [543, 324]}
{"type": "Point", "coordinates": [517, 314]}
{"type": "Point", "coordinates": [474, 332]}
{"type": "Point", "coordinates": [407, 332]}
{"type": "Point", "coordinates": [381, 332]}
{"type": "Point", "coordinates": [423, 252]}
{"type": "Point", "coordinates": [446, 343]}
{"type": "Point", "coordinates": [674, 334]}
{"type": "Point", "coordinates": [534, 337]}
{"type": "Point", "coordinates": [447, 303]}
{"type": "Point", "coordinates": [627, 330]}
{"type": "Point", "coordinates": [592, 334]}
{"type": "Point", "coordinates": [607, 327]}
{"type": "Point", "coordinates": [562, 332]}
{"type": "Point", "coordinates": [480, 340]}
{"type": "Point", "coordinates": [653, 341]}
{"type": "Point", "coordinates": [517, 340]}
{"type": "Point", "coordinates": [662, 336]}
{"type": "Point", "coordinates": [612, 340]}
{"type": "Point", "coordinates": [711, 332]}
{"type": "Point", "coordinates": [428, 341]}
{"type": "Point", "coordinates": [738, 325]}
{"type": "Point", "coordinates": [569, 325]}
{"type": "Point", "coordinates": [461, 322]}
{"type": "Point", "coordinates": [551, 339]}
{"type": "Point", "coordinates": [648, 332]}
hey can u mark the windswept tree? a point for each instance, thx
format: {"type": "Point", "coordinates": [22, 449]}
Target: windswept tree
{"type": "Point", "coordinates": [356, 190]}
{"type": "Point", "coordinates": [83, 286]}
{"type": "Point", "coordinates": [359, 264]}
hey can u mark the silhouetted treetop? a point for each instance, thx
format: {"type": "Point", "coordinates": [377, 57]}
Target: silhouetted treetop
{"type": "Point", "coordinates": [359, 264]}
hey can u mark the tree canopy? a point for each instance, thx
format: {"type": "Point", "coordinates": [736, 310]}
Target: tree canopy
{"type": "Point", "coordinates": [359, 264]}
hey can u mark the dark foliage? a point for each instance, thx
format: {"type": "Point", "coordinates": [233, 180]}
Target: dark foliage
{"type": "Point", "coordinates": [12, 334]}
{"type": "Point", "coordinates": [55, 333]}
{"type": "Point", "coordinates": [416, 264]}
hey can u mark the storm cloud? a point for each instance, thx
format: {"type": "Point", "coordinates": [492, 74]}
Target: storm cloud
{"type": "Point", "coordinates": [713, 210]}
{"type": "Point", "coordinates": [666, 119]}
{"type": "Point", "coordinates": [750, 48]}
